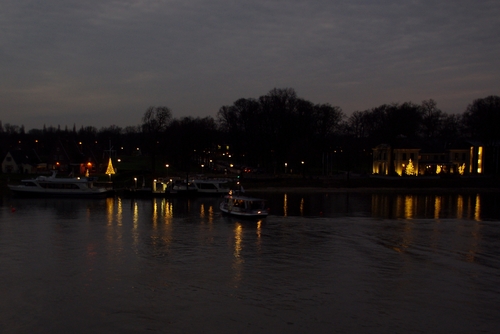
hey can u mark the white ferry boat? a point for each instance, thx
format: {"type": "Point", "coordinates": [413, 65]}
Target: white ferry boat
{"type": "Point", "coordinates": [55, 186]}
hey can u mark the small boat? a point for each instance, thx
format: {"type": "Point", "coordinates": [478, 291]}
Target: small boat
{"type": "Point", "coordinates": [55, 186]}
{"type": "Point", "coordinates": [243, 206]}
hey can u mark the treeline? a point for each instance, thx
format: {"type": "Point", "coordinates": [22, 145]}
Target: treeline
{"type": "Point", "coordinates": [277, 132]}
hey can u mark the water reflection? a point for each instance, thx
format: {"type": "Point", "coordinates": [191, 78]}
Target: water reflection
{"type": "Point", "coordinates": [474, 206]}
{"type": "Point", "coordinates": [386, 205]}
{"type": "Point", "coordinates": [285, 206]}
{"type": "Point", "coordinates": [437, 207]}
{"type": "Point", "coordinates": [460, 206]}
{"type": "Point", "coordinates": [477, 208]}
{"type": "Point", "coordinates": [426, 206]}
{"type": "Point", "coordinates": [312, 265]}
{"type": "Point", "coordinates": [238, 258]}
{"type": "Point", "coordinates": [378, 205]}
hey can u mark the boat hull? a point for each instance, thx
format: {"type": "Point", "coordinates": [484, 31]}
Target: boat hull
{"type": "Point", "coordinates": [44, 186]}
{"type": "Point", "coordinates": [22, 191]}
{"type": "Point", "coordinates": [245, 214]}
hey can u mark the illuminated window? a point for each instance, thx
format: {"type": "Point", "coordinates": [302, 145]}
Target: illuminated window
{"type": "Point", "coordinates": [480, 160]}
{"type": "Point", "coordinates": [470, 157]}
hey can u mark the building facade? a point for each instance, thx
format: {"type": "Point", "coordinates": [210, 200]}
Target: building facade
{"type": "Point", "coordinates": [461, 159]}
{"type": "Point", "coordinates": [18, 162]}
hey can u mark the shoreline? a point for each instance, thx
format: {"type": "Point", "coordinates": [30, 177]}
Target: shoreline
{"type": "Point", "coordinates": [319, 190]}
{"type": "Point", "coordinates": [355, 184]}
{"type": "Point", "coordinates": [369, 184]}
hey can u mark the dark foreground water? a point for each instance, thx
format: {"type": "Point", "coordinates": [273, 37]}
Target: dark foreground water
{"type": "Point", "coordinates": [320, 263]}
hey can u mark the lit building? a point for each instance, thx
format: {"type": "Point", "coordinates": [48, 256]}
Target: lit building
{"type": "Point", "coordinates": [460, 158]}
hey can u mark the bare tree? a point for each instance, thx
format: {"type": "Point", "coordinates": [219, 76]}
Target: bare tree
{"type": "Point", "coordinates": [432, 119]}
{"type": "Point", "coordinates": [154, 124]}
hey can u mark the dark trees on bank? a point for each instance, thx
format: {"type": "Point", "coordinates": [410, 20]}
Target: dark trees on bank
{"type": "Point", "coordinates": [154, 125]}
{"type": "Point", "coordinates": [482, 118]}
{"type": "Point", "coordinates": [278, 128]}
{"type": "Point", "coordinates": [190, 141]}
{"type": "Point", "coordinates": [270, 131]}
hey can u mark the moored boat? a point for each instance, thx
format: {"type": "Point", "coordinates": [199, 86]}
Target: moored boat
{"type": "Point", "coordinates": [182, 188]}
{"type": "Point", "coordinates": [211, 186]}
{"type": "Point", "coordinates": [243, 206]}
{"type": "Point", "coordinates": [55, 186]}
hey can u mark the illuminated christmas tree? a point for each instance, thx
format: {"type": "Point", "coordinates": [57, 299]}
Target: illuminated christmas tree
{"type": "Point", "coordinates": [110, 170]}
{"type": "Point", "coordinates": [410, 169]}
{"type": "Point", "coordinates": [461, 169]}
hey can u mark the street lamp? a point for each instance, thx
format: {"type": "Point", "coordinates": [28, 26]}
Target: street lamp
{"type": "Point", "coordinates": [167, 165]}
{"type": "Point", "coordinates": [135, 182]}
{"type": "Point", "coordinates": [286, 165]}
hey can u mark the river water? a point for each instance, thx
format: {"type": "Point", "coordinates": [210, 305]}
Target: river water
{"type": "Point", "coordinates": [320, 263]}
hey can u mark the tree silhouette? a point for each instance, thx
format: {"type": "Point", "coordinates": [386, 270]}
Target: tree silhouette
{"type": "Point", "coordinates": [482, 118]}
{"type": "Point", "coordinates": [154, 124]}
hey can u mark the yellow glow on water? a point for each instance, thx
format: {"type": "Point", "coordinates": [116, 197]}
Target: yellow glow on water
{"type": "Point", "coordinates": [109, 209]}
{"type": "Point", "coordinates": [211, 214]}
{"type": "Point", "coordinates": [238, 237]}
{"type": "Point", "coordinates": [119, 212]}
{"type": "Point", "coordinates": [238, 260]}
{"type": "Point", "coordinates": [135, 223]}
{"type": "Point", "coordinates": [259, 233]}
{"type": "Point", "coordinates": [460, 206]}
{"type": "Point", "coordinates": [135, 214]}
{"type": "Point", "coordinates": [409, 207]}
{"type": "Point", "coordinates": [285, 206]}
{"type": "Point", "coordinates": [477, 209]}
{"type": "Point", "coordinates": [165, 211]}
{"type": "Point", "coordinates": [202, 210]}
{"type": "Point", "coordinates": [155, 214]}
{"type": "Point", "coordinates": [168, 212]}
{"type": "Point", "coordinates": [437, 207]}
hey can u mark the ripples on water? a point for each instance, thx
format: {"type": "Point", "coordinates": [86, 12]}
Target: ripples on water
{"type": "Point", "coordinates": [320, 263]}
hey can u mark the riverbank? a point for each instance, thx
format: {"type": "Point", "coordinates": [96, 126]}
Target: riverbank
{"type": "Point", "coordinates": [372, 184]}
{"type": "Point", "coordinates": [342, 183]}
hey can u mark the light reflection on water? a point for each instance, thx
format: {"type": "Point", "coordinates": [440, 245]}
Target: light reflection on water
{"type": "Point", "coordinates": [384, 205]}
{"type": "Point", "coordinates": [337, 262]}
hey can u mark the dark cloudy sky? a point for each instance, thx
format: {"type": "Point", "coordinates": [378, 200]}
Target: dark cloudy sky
{"type": "Point", "coordinates": [100, 62]}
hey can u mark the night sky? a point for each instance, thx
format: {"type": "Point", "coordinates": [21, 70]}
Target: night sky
{"type": "Point", "coordinates": [102, 63]}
